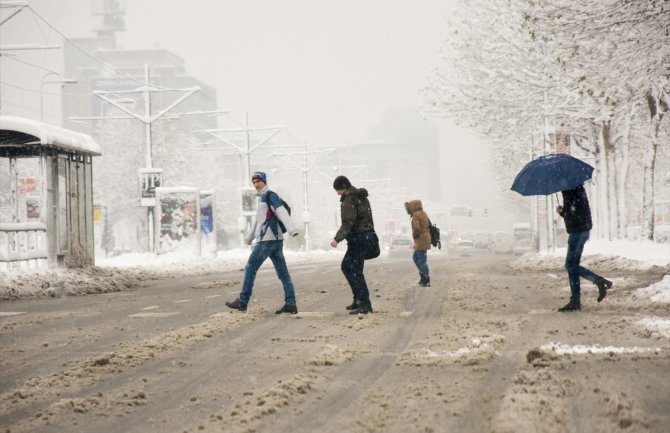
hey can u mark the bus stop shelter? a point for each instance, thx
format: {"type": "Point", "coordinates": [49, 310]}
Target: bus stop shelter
{"type": "Point", "coordinates": [46, 195]}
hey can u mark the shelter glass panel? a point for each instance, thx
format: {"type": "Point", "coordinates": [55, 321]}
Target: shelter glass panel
{"type": "Point", "coordinates": [62, 205]}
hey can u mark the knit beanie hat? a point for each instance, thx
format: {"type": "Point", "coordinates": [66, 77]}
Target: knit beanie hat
{"type": "Point", "coordinates": [260, 175]}
{"type": "Point", "coordinates": [341, 182]}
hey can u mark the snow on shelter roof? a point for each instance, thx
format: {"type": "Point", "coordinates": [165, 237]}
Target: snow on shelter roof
{"type": "Point", "coordinates": [17, 131]}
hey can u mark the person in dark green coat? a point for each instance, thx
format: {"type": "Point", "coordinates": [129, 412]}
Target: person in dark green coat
{"type": "Point", "coordinates": [359, 230]}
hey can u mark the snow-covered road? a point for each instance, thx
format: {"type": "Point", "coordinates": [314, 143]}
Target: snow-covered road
{"type": "Point", "coordinates": [483, 349]}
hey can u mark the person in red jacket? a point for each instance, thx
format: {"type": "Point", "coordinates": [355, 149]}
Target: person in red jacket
{"type": "Point", "coordinates": [421, 235]}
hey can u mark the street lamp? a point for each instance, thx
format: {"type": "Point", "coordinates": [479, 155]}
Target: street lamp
{"type": "Point", "coordinates": [60, 81]}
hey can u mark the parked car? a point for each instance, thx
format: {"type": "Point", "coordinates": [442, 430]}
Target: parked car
{"type": "Point", "coordinates": [502, 242]}
{"type": "Point", "coordinates": [482, 240]}
{"type": "Point", "coordinates": [400, 245]}
{"type": "Point", "coordinates": [522, 238]}
{"type": "Point", "coordinates": [465, 247]}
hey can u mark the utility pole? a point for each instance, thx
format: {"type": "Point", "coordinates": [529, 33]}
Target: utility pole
{"type": "Point", "coordinates": [247, 193]}
{"type": "Point", "coordinates": [305, 168]}
{"type": "Point", "coordinates": [149, 177]}
{"type": "Point", "coordinates": [306, 215]}
{"type": "Point", "coordinates": [17, 5]}
{"type": "Point", "coordinates": [60, 81]}
{"type": "Point", "coordinates": [546, 149]}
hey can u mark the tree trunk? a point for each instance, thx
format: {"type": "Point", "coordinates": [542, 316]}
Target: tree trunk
{"type": "Point", "coordinates": [602, 180]}
{"type": "Point", "coordinates": [656, 112]}
{"type": "Point", "coordinates": [622, 161]}
{"type": "Point", "coordinates": [648, 184]}
{"type": "Point", "coordinates": [610, 175]}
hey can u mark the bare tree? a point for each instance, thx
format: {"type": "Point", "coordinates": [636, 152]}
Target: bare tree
{"type": "Point", "coordinates": [617, 51]}
{"type": "Point", "coordinates": [510, 66]}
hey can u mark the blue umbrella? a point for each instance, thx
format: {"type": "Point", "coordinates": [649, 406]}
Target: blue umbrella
{"type": "Point", "coordinates": [552, 173]}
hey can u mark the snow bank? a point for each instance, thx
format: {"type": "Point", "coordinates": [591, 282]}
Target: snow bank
{"type": "Point", "coordinates": [580, 349]}
{"type": "Point", "coordinates": [604, 255]}
{"type": "Point", "coordinates": [658, 292]}
{"type": "Point", "coordinates": [656, 325]}
{"type": "Point", "coordinates": [130, 270]}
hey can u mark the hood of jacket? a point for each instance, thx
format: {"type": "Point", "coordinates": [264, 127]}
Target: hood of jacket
{"type": "Point", "coordinates": [356, 213]}
{"type": "Point", "coordinates": [413, 206]}
{"type": "Point", "coordinates": [356, 192]}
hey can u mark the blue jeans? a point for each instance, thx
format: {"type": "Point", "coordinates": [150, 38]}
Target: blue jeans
{"type": "Point", "coordinates": [576, 243]}
{"type": "Point", "coordinates": [261, 251]}
{"type": "Point", "coordinates": [352, 266]}
{"type": "Point", "coordinates": [421, 261]}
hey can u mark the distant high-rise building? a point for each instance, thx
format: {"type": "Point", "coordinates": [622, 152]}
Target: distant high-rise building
{"type": "Point", "coordinates": [97, 64]}
{"type": "Point", "coordinates": [126, 71]}
{"type": "Point", "coordinates": [403, 148]}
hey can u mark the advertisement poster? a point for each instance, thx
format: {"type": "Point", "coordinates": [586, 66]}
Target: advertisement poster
{"type": "Point", "coordinates": [33, 207]}
{"type": "Point", "coordinates": [27, 185]}
{"type": "Point", "coordinates": [178, 220]}
{"type": "Point", "coordinates": [149, 180]}
{"type": "Point", "coordinates": [207, 229]}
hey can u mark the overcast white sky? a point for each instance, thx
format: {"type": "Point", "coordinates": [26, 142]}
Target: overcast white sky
{"type": "Point", "coordinates": [327, 70]}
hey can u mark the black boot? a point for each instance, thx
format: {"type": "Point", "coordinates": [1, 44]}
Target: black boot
{"type": "Point", "coordinates": [603, 286]}
{"type": "Point", "coordinates": [353, 305]}
{"type": "Point", "coordinates": [237, 305]}
{"type": "Point", "coordinates": [362, 310]}
{"type": "Point", "coordinates": [426, 281]}
{"type": "Point", "coordinates": [288, 308]}
{"type": "Point", "coordinates": [422, 280]}
{"type": "Point", "coordinates": [572, 305]}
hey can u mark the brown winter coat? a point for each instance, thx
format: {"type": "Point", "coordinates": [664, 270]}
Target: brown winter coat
{"type": "Point", "coordinates": [420, 225]}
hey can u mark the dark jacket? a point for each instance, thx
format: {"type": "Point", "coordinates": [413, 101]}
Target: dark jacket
{"type": "Point", "coordinates": [576, 212]}
{"type": "Point", "coordinates": [420, 225]}
{"type": "Point", "coordinates": [356, 213]}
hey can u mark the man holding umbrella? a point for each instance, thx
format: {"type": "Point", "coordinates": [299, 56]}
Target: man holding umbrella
{"type": "Point", "coordinates": [547, 175]}
{"type": "Point", "coordinates": [576, 214]}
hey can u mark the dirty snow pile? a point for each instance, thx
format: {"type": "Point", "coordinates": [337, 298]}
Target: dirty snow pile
{"type": "Point", "coordinates": [130, 270]}
{"type": "Point", "coordinates": [614, 256]}
{"type": "Point", "coordinates": [605, 256]}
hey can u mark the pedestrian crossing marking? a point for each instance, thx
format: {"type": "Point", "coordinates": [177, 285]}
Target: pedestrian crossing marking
{"type": "Point", "coordinates": [11, 313]}
{"type": "Point", "coordinates": [220, 314]}
{"type": "Point", "coordinates": [182, 301]}
{"type": "Point", "coordinates": [313, 314]}
{"type": "Point", "coordinates": [210, 296]}
{"type": "Point", "coordinates": [145, 315]}
{"type": "Point", "coordinates": [153, 307]}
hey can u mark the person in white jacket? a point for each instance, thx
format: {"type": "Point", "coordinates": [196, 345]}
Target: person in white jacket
{"type": "Point", "coordinates": [271, 214]}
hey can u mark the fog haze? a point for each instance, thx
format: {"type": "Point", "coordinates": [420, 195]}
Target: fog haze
{"type": "Point", "coordinates": [328, 71]}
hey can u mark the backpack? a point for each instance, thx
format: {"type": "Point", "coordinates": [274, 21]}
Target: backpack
{"type": "Point", "coordinates": [373, 249]}
{"type": "Point", "coordinates": [288, 209]}
{"type": "Point", "coordinates": [435, 235]}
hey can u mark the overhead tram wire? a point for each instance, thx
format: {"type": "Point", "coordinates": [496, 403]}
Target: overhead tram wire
{"type": "Point", "coordinates": [5, 102]}
{"type": "Point", "coordinates": [92, 57]}
{"type": "Point", "coordinates": [16, 59]}
{"type": "Point", "coordinates": [87, 54]}
{"type": "Point", "coordinates": [25, 89]}
{"type": "Point", "coordinates": [43, 68]}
